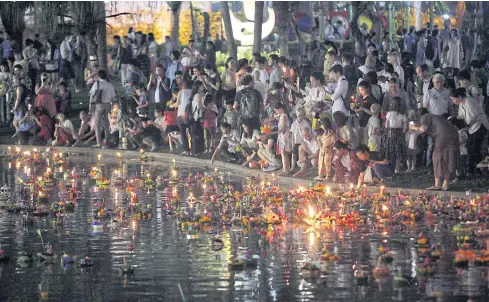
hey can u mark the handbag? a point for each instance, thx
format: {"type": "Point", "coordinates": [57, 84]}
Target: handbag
{"type": "Point", "coordinates": [97, 95]}
{"type": "Point", "coordinates": [367, 178]}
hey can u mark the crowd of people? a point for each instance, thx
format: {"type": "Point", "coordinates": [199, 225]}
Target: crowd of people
{"type": "Point", "coordinates": [362, 117]}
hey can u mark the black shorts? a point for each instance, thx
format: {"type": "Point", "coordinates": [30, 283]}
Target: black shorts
{"type": "Point", "coordinates": [171, 128]}
{"type": "Point", "coordinates": [296, 150]}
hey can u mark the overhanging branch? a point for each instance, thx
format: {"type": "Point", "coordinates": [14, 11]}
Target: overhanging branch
{"type": "Point", "coordinates": [119, 14]}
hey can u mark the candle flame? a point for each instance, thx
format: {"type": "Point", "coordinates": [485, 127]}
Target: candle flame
{"type": "Point", "coordinates": [311, 211]}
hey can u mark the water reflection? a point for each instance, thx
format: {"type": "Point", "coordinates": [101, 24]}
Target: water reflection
{"type": "Point", "coordinates": [168, 264]}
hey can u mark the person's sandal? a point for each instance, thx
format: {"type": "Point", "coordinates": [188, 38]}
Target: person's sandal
{"type": "Point", "coordinates": [433, 188]}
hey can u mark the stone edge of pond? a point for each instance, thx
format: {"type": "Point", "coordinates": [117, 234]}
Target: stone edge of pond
{"type": "Point", "coordinates": [285, 182]}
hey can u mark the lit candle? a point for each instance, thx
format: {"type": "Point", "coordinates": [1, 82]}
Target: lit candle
{"type": "Point", "coordinates": [328, 190]}
{"type": "Point", "coordinates": [311, 211]}
{"type": "Point", "coordinates": [99, 157]}
{"type": "Point", "coordinates": [174, 162]}
{"type": "Point", "coordinates": [351, 187]}
{"type": "Point", "coordinates": [141, 151]}
{"type": "Point", "coordinates": [10, 165]}
{"type": "Point", "coordinates": [381, 190]}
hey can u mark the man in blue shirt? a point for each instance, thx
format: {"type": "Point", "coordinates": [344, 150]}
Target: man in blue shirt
{"type": "Point", "coordinates": [410, 41]}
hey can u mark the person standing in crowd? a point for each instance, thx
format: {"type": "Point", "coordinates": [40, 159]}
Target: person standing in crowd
{"type": "Point", "coordinates": [328, 139]}
{"type": "Point", "coordinates": [152, 51]}
{"type": "Point", "coordinates": [474, 116]}
{"type": "Point", "coordinates": [396, 126]}
{"type": "Point", "coordinates": [161, 86]}
{"type": "Point", "coordinates": [175, 65]}
{"type": "Point", "coordinates": [9, 47]}
{"type": "Point", "coordinates": [228, 79]}
{"type": "Point", "coordinates": [168, 48]}
{"type": "Point", "coordinates": [410, 41]}
{"type": "Point", "coordinates": [51, 62]}
{"type": "Point", "coordinates": [91, 72]}
{"type": "Point", "coordinates": [276, 72]}
{"type": "Point", "coordinates": [181, 102]}
{"type": "Point", "coordinates": [364, 103]}
{"type": "Point", "coordinates": [339, 97]}
{"type": "Point", "coordinates": [210, 54]}
{"type": "Point", "coordinates": [422, 83]}
{"type": "Point", "coordinates": [66, 69]}
{"type": "Point", "coordinates": [453, 53]}
{"type": "Point", "coordinates": [45, 96]}
{"type": "Point", "coordinates": [125, 58]}
{"type": "Point", "coordinates": [102, 108]}
{"type": "Point", "coordinates": [195, 119]}
{"type": "Point", "coordinates": [31, 55]}
{"type": "Point", "coordinates": [144, 61]}
{"type": "Point", "coordinates": [446, 146]}
{"type": "Point", "coordinates": [249, 104]}
{"type": "Point", "coordinates": [438, 102]}
{"type": "Point", "coordinates": [115, 56]}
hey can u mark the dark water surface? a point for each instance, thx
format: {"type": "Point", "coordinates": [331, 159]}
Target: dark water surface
{"type": "Point", "coordinates": [165, 259]}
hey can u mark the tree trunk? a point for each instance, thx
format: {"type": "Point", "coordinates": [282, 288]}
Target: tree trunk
{"type": "Point", "coordinates": [207, 29]}
{"type": "Point", "coordinates": [283, 27]}
{"type": "Point", "coordinates": [102, 36]}
{"type": "Point", "coordinates": [175, 10]}
{"type": "Point", "coordinates": [259, 5]}
{"type": "Point", "coordinates": [226, 18]}
{"type": "Point", "coordinates": [12, 15]}
{"type": "Point", "coordinates": [195, 33]}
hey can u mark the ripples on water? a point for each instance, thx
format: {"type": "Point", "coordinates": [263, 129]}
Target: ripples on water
{"type": "Point", "coordinates": [164, 258]}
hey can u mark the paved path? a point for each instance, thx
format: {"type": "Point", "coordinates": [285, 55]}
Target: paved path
{"type": "Point", "coordinates": [166, 159]}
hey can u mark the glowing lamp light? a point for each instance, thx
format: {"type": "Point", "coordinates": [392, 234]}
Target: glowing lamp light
{"type": "Point", "coordinates": [446, 16]}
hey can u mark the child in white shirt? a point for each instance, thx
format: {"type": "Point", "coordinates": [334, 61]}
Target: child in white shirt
{"type": "Point", "coordinates": [396, 126]}
{"type": "Point", "coordinates": [373, 128]}
{"type": "Point", "coordinates": [463, 159]}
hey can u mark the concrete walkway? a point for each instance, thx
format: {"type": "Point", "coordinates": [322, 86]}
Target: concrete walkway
{"type": "Point", "coordinates": [166, 159]}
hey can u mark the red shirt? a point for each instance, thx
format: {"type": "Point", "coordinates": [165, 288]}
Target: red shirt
{"type": "Point", "coordinates": [171, 117]}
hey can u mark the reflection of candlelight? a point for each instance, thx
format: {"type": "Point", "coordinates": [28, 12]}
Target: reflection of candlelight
{"type": "Point", "coordinates": [312, 238]}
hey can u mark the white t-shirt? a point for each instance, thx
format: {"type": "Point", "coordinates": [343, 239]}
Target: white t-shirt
{"type": "Point", "coordinates": [395, 119]}
{"type": "Point", "coordinates": [68, 125]}
{"type": "Point", "coordinates": [296, 130]}
{"type": "Point", "coordinates": [185, 95]}
{"type": "Point", "coordinates": [312, 145]}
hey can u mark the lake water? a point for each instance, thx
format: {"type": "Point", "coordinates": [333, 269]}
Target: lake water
{"type": "Point", "coordinates": [170, 267]}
